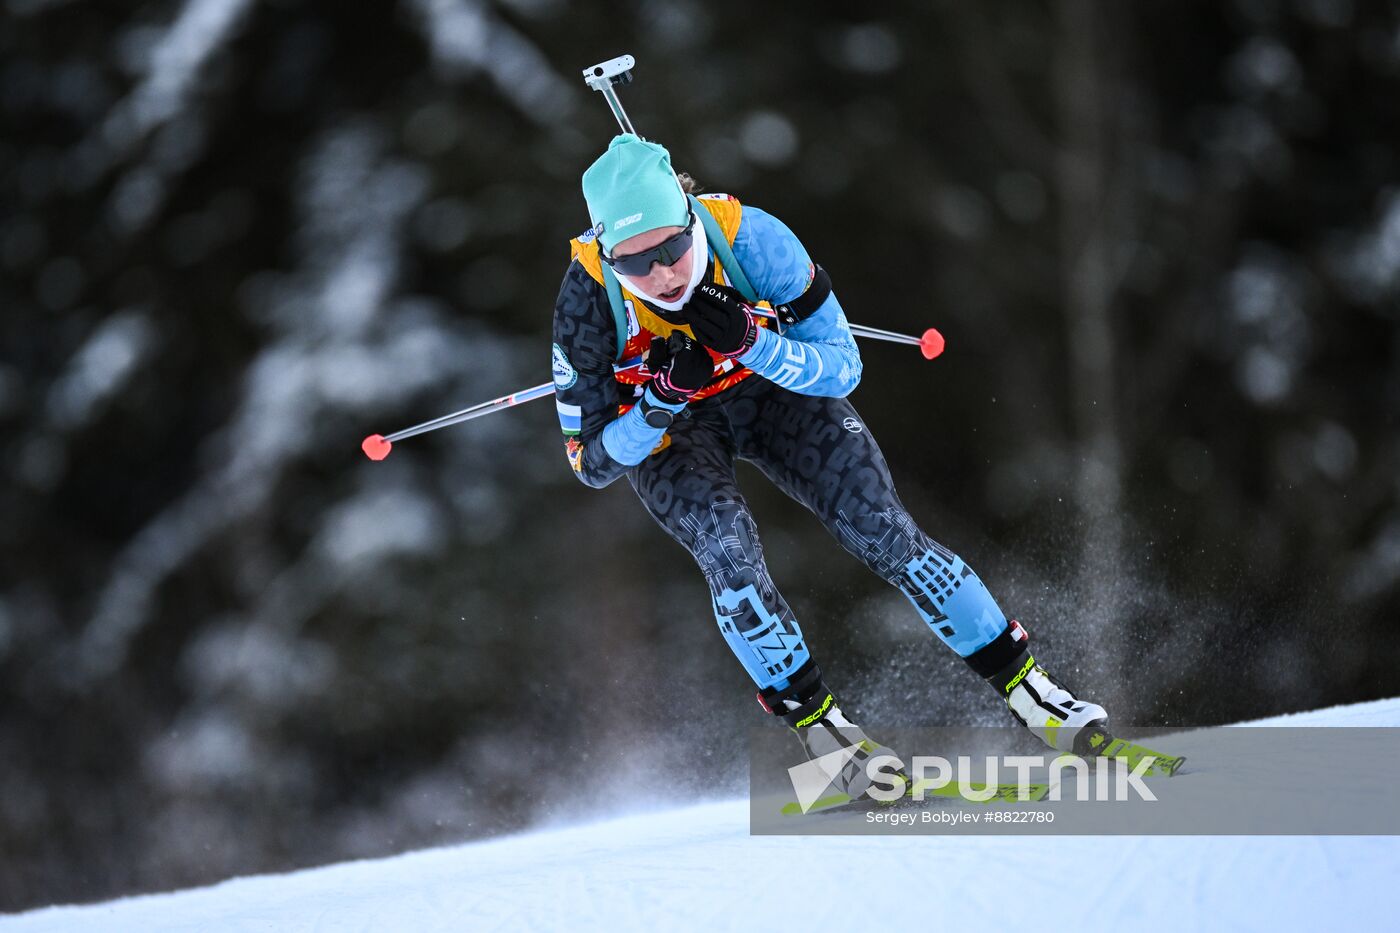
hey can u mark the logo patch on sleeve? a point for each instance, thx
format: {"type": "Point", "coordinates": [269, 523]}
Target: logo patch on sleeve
{"type": "Point", "coordinates": [564, 373]}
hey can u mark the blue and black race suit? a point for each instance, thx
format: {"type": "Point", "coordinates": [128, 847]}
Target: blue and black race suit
{"type": "Point", "coordinates": [793, 421]}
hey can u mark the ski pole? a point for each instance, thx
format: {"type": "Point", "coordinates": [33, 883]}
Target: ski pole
{"type": "Point", "coordinates": [604, 77]}
{"type": "Point", "coordinates": [377, 446]}
{"type": "Point", "coordinates": [930, 343]}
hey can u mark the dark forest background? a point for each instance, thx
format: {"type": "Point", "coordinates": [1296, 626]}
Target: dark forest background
{"type": "Point", "coordinates": [1161, 239]}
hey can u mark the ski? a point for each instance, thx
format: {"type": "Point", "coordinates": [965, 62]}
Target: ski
{"type": "Point", "coordinates": [1097, 744]}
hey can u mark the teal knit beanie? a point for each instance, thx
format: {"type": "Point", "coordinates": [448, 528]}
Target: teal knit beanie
{"type": "Point", "coordinates": [632, 189]}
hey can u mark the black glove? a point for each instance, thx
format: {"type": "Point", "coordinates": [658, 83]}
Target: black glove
{"type": "Point", "coordinates": [680, 367]}
{"type": "Point", "coordinates": [721, 319]}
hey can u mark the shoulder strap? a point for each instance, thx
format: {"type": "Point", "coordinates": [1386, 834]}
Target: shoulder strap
{"type": "Point", "coordinates": [584, 249]}
{"type": "Point", "coordinates": [619, 311]}
{"type": "Point", "coordinates": [720, 244]}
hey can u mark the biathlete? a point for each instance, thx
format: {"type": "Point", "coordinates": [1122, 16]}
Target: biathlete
{"type": "Point", "coordinates": [656, 276]}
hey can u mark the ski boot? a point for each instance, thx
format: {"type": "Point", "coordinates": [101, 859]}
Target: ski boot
{"type": "Point", "coordinates": [1040, 703]}
{"type": "Point", "coordinates": [809, 708]}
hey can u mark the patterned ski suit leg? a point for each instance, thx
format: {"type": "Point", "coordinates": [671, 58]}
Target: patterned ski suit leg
{"type": "Point", "coordinates": [820, 453]}
{"type": "Point", "coordinates": [690, 489]}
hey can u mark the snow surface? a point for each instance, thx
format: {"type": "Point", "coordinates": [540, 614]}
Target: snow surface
{"type": "Point", "coordinates": [698, 868]}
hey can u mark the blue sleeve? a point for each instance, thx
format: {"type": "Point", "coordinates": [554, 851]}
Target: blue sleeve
{"type": "Point", "coordinates": [629, 440]}
{"type": "Point", "coordinates": [817, 356]}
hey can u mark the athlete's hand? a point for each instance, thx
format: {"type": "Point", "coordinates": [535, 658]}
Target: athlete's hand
{"type": "Point", "coordinates": [721, 319]}
{"type": "Point", "coordinates": [680, 367]}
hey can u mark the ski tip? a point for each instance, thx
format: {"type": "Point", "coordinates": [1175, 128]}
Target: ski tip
{"type": "Point", "coordinates": [931, 343]}
{"type": "Point", "coordinates": [376, 447]}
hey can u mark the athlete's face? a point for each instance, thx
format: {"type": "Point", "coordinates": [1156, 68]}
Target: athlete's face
{"type": "Point", "coordinates": [664, 282]}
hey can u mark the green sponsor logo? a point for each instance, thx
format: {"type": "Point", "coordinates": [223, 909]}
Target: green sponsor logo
{"type": "Point", "coordinates": [1025, 669]}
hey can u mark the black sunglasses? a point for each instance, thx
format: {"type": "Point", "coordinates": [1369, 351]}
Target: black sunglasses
{"type": "Point", "coordinates": [668, 252]}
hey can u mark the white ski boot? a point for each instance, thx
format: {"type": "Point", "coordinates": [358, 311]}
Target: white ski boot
{"type": "Point", "coordinates": [809, 708]}
{"type": "Point", "coordinates": [1038, 701]}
